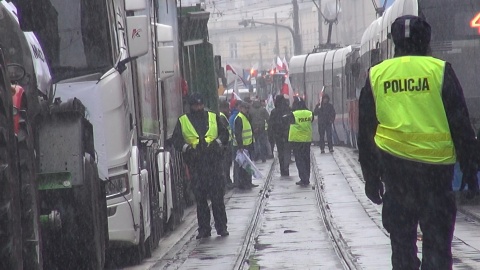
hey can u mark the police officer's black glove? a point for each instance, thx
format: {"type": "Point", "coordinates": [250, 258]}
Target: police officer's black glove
{"type": "Point", "coordinates": [188, 151]}
{"type": "Point", "coordinates": [373, 188]}
{"type": "Point", "coordinates": [216, 146]}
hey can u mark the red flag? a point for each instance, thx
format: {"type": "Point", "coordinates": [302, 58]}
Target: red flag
{"type": "Point", "coordinates": [279, 64]}
{"type": "Point", "coordinates": [285, 64]}
{"type": "Point", "coordinates": [230, 68]}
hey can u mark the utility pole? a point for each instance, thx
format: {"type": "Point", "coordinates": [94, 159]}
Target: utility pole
{"type": "Point", "coordinates": [296, 29]}
{"type": "Point", "coordinates": [277, 46]}
{"type": "Point", "coordinates": [260, 65]}
{"type": "Point", "coordinates": [320, 29]}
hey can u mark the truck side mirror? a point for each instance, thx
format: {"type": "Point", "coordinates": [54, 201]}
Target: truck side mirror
{"type": "Point", "coordinates": [132, 5]}
{"type": "Point", "coordinates": [165, 62]}
{"type": "Point", "coordinates": [164, 33]}
{"type": "Point", "coordinates": [137, 35]}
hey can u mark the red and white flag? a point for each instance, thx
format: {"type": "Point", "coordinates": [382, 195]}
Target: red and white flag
{"type": "Point", "coordinates": [234, 99]}
{"type": "Point", "coordinates": [279, 64]}
{"type": "Point", "coordinates": [288, 87]}
{"type": "Point", "coordinates": [285, 65]}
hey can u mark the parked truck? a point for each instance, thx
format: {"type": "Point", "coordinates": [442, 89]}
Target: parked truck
{"type": "Point", "coordinates": [120, 59]}
{"type": "Point", "coordinates": [52, 202]}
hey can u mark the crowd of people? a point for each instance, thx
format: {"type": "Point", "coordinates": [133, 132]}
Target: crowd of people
{"type": "Point", "coordinates": [407, 156]}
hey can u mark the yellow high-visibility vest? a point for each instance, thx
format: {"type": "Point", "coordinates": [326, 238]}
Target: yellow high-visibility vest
{"type": "Point", "coordinates": [247, 134]}
{"type": "Point", "coordinates": [230, 137]}
{"type": "Point", "coordinates": [412, 120]}
{"type": "Point", "coordinates": [301, 130]}
{"type": "Point", "coordinates": [190, 134]}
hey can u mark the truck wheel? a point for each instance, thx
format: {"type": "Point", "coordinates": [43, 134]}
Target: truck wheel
{"type": "Point", "coordinates": [177, 208]}
{"type": "Point", "coordinates": [32, 256]}
{"type": "Point", "coordinates": [10, 220]}
{"type": "Point", "coordinates": [91, 230]}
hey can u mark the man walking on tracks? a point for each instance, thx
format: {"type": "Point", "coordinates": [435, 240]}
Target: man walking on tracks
{"type": "Point", "coordinates": [413, 125]}
{"type": "Point", "coordinates": [278, 128]}
{"type": "Point", "coordinates": [200, 136]}
{"type": "Point", "coordinates": [326, 118]}
{"type": "Point", "coordinates": [300, 138]}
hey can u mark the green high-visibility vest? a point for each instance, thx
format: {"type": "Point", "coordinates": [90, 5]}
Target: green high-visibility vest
{"type": "Point", "coordinates": [247, 134]}
{"type": "Point", "coordinates": [190, 134]}
{"type": "Point", "coordinates": [301, 130]}
{"type": "Point", "coordinates": [412, 120]}
{"type": "Point", "coordinates": [228, 127]}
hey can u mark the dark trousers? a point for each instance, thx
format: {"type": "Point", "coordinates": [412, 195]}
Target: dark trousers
{"type": "Point", "coordinates": [301, 150]}
{"type": "Point", "coordinates": [283, 149]}
{"type": "Point", "coordinates": [323, 129]}
{"type": "Point", "coordinates": [419, 194]}
{"type": "Point", "coordinates": [261, 148]}
{"type": "Point", "coordinates": [208, 184]}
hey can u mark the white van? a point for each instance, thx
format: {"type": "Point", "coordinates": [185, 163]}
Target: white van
{"type": "Point", "coordinates": [242, 92]}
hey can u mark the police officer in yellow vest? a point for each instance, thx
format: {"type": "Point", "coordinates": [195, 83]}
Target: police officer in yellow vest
{"type": "Point", "coordinates": [243, 140]}
{"type": "Point", "coordinates": [300, 138]}
{"type": "Point", "coordinates": [200, 136]}
{"type": "Point", "coordinates": [413, 126]}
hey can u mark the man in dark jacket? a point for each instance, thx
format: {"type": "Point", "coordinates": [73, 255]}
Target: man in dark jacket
{"type": "Point", "coordinates": [413, 126]}
{"type": "Point", "coordinates": [278, 128]}
{"type": "Point", "coordinates": [259, 116]}
{"type": "Point", "coordinates": [326, 117]}
{"type": "Point", "coordinates": [224, 112]}
{"type": "Point", "coordinates": [200, 136]}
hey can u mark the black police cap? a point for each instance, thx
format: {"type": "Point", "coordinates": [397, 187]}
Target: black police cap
{"type": "Point", "coordinates": [195, 99]}
{"type": "Point", "coordinates": [411, 29]}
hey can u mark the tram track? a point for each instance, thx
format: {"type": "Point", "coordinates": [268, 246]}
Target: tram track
{"type": "Point", "coordinates": [462, 249]}
{"type": "Point", "coordinates": [340, 246]}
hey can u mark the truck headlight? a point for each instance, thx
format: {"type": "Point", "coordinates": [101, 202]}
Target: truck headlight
{"type": "Point", "coordinates": [117, 186]}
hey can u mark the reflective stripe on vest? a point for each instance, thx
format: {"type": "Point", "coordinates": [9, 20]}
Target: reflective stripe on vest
{"type": "Point", "coordinates": [247, 134]}
{"type": "Point", "coordinates": [228, 127]}
{"type": "Point", "coordinates": [190, 134]}
{"type": "Point", "coordinates": [301, 131]}
{"type": "Point", "coordinates": [409, 108]}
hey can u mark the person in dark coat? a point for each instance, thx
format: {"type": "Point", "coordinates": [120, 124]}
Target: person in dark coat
{"type": "Point", "coordinates": [243, 140]}
{"type": "Point", "coordinates": [278, 128]}
{"type": "Point", "coordinates": [326, 118]}
{"type": "Point", "coordinates": [224, 112]}
{"type": "Point", "coordinates": [259, 116]}
{"type": "Point", "coordinates": [201, 144]}
{"type": "Point", "coordinates": [409, 138]}
{"type": "Point", "coordinates": [300, 138]}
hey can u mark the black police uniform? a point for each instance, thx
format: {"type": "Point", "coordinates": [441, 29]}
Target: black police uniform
{"type": "Point", "coordinates": [278, 127]}
{"type": "Point", "coordinates": [205, 165]}
{"type": "Point", "coordinates": [416, 193]}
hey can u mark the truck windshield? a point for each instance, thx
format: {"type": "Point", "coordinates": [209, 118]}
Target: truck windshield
{"type": "Point", "coordinates": [450, 20]}
{"type": "Point", "coordinates": [76, 38]}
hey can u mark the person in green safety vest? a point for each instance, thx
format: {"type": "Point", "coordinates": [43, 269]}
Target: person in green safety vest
{"type": "Point", "coordinates": [413, 126]}
{"type": "Point", "coordinates": [243, 140]}
{"type": "Point", "coordinates": [200, 136]}
{"type": "Point", "coordinates": [300, 138]}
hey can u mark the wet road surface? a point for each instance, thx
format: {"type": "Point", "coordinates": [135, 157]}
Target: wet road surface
{"type": "Point", "coordinates": [284, 226]}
